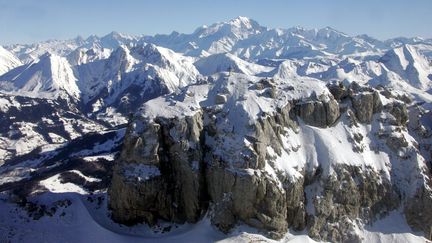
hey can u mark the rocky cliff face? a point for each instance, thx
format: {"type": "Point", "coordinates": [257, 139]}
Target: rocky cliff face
{"type": "Point", "coordinates": [274, 172]}
{"type": "Point", "coordinates": [160, 172]}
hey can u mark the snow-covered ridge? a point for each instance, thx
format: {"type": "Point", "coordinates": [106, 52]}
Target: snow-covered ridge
{"type": "Point", "coordinates": [228, 62]}
{"type": "Point", "coordinates": [98, 70]}
{"type": "Point", "coordinates": [50, 76]}
{"type": "Point", "coordinates": [241, 36]}
{"type": "Point", "coordinates": [8, 61]}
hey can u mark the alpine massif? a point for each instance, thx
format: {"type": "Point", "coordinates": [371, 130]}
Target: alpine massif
{"type": "Point", "coordinates": [234, 132]}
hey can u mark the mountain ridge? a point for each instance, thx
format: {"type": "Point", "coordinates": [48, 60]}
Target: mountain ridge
{"type": "Point", "coordinates": [114, 39]}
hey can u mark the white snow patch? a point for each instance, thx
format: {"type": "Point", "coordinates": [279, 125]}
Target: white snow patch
{"type": "Point", "coordinates": [141, 172]}
{"type": "Point", "coordinates": [53, 184]}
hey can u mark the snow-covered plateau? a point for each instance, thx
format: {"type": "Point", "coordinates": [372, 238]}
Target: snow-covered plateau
{"type": "Point", "coordinates": [233, 133]}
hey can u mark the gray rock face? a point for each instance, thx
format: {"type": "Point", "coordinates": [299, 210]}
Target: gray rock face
{"type": "Point", "coordinates": [365, 105]}
{"type": "Point", "coordinates": [338, 90]}
{"type": "Point", "coordinates": [417, 212]}
{"type": "Point", "coordinates": [172, 147]}
{"type": "Point", "coordinates": [319, 113]}
{"type": "Point", "coordinates": [176, 148]}
{"type": "Point", "coordinates": [296, 204]}
{"type": "Point", "coordinates": [253, 197]}
{"type": "Point", "coordinates": [399, 112]}
{"type": "Point", "coordinates": [349, 194]}
{"type": "Point", "coordinates": [134, 201]}
{"type": "Point", "coordinates": [396, 142]}
{"type": "Point", "coordinates": [220, 99]}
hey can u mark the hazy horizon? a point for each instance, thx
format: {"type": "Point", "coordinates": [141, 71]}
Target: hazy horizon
{"type": "Point", "coordinates": [26, 21]}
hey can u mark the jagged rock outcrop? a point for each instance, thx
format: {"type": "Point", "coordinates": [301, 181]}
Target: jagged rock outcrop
{"type": "Point", "coordinates": [176, 167]}
{"type": "Point", "coordinates": [365, 105]}
{"type": "Point", "coordinates": [399, 112]}
{"type": "Point", "coordinates": [365, 101]}
{"type": "Point", "coordinates": [319, 113]}
{"type": "Point", "coordinates": [338, 90]}
{"type": "Point", "coordinates": [350, 193]}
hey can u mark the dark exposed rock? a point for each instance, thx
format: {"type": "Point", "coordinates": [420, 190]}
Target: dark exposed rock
{"type": "Point", "coordinates": [399, 112]}
{"type": "Point", "coordinates": [338, 90]}
{"type": "Point", "coordinates": [365, 104]}
{"type": "Point", "coordinates": [220, 99]}
{"type": "Point", "coordinates": [319, 113]}
{"type": "Point", "coordinates": [349, 194]}
{"type": "Point", "coordinates": [296, 208]}
{"type": "Point", "coordinates": [136, 202]}
{"type": "Point", "coordinates": [264, 84]}
{"type": "Point", "coordinates": [386, 93]}
{"type": "Point", "coordinates": [175, 193]}
{"type": "Point", "coordinates": [396, 143]}
{"type": "Point", "coordinates": [255, 198]}
{"type": "Point", "coordinates": [417, 212]}
{"type": "Point", "coordinates": [405, 98]}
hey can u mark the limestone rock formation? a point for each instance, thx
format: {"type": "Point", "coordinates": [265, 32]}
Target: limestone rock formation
{"type": "Point", "coordinates": [319, 113]}
{"type": "Point", "coordinates": [177, 164]}
{"type": "Point", "coordinates": [365, 105]}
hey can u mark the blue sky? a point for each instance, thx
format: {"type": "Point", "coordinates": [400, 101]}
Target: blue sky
{"type": "Point", "coordinates": [25, 21]}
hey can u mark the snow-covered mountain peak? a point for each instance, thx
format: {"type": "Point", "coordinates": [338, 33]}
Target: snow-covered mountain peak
{"type": "Point", "coordinates": [50, 76]}
{"type": "Point", "coordinates": [135, 73]}
{"type": "Point", "coordinates": [162, 57]}
{"type": "Point", "coordinates": [244, 22]}
{"type": "Point", "coordinates": [407, 62]}
{"type": "Point", "coordinates": [328, 31]}
{"type": "Point", "coordinates": [295, 29]}
{"type": "Point", "coordinates": [238, 28]}
{"type": "Point", "coordinates": [85, 55]}
{"type": "Point", "coordinates": [115, 39]}
{"type": "Point", "coordinates": [150, 52]}
{"type": "Point", "coordinates": [121, 60]}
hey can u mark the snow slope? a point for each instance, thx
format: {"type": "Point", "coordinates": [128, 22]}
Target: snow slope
{"type": "Point", "coordinates": [225, 61]}
{"type": "Point", "coordinates": [87, 220]}
{"type": "Point", "coordinates": [8, 61]}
